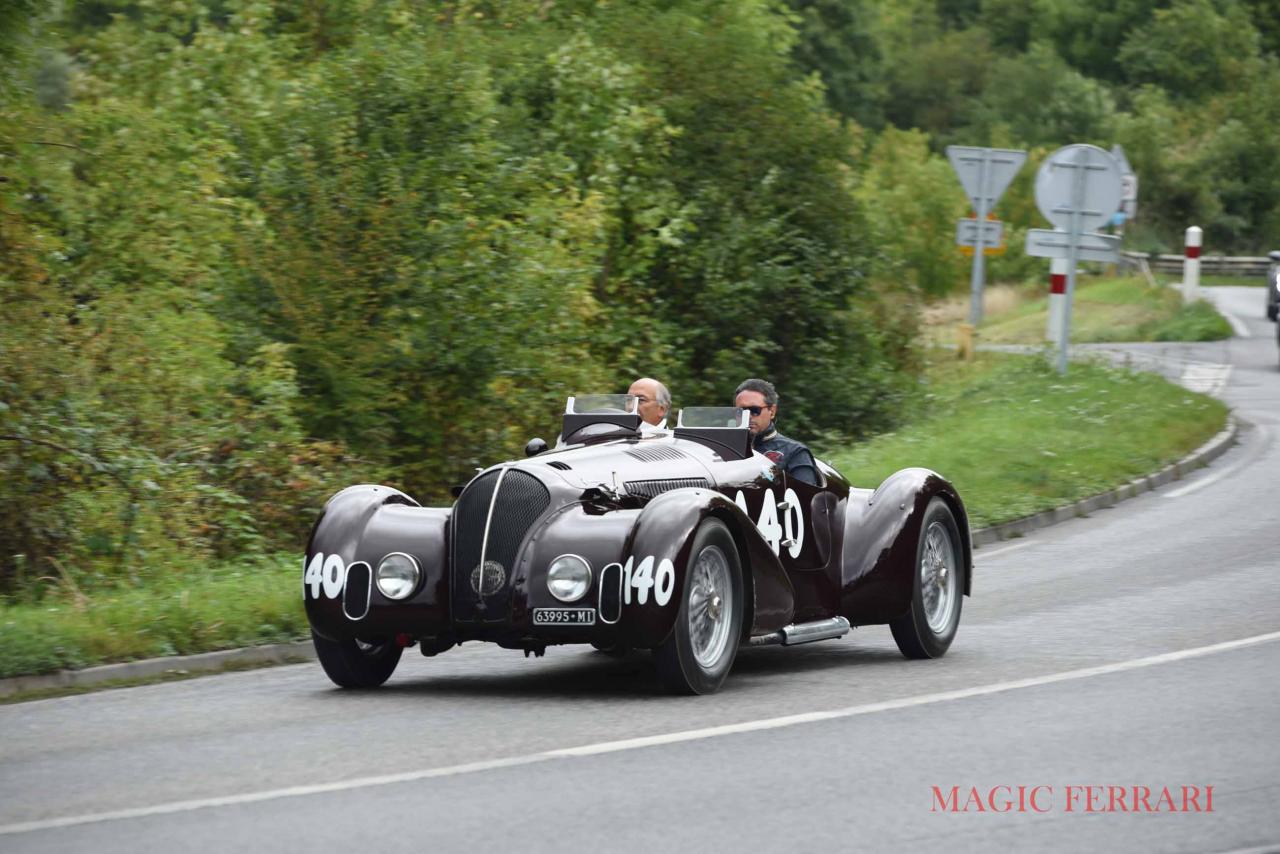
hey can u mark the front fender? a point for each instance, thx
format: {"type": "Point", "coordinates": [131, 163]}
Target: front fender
{"type": "Point", "coordinates": [882, 529]}
{"type": "Point", "coordinates": [363, 524]}
{"type": "Point", "coordinates": [665, 530]}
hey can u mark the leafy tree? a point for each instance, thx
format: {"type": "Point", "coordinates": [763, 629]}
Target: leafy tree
{"type": "Point", "coordinates": [915, 202]}
{"type": "Point", "coordinates": [1192, 50]}
{"type": "Point", "coordinates": [838, 40]}
{"type": "Point", "coordinates": [1037, 99]}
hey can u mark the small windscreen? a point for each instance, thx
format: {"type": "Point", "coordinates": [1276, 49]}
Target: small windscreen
{"type": "Point", "coordinates": [596, 404]}
{"type": "Point", "coordinates": [728, 417]}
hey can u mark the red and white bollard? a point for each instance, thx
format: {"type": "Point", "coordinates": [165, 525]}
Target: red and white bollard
{"type": "Point", "coordinates": [1057, 300]}
{"type": "Point", "coordinates": [1191, 264]}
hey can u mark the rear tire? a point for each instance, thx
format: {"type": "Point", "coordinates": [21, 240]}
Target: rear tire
{"type": "Point", "coordinates": [698, 655]}
{"type": "Point", "coordinates": [357, 664]}
{"type": "Point", "coordinates": [937, 587]}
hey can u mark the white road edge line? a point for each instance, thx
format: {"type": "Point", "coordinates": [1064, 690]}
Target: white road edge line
{"type": "Point", "coordinates": [1237, 324]}
{"type": "Point", "coordinates": [636, 743]}
{"type": "Point", "coordinates": [1264, 437]}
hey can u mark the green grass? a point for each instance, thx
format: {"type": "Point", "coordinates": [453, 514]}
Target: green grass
{"type": "Point", "coordinates": [1209, 281]}
{"type": "Point", "coordinates": [1012, 435]}
{"type": "Point", "coordinates": [224, 608]}
{"type": "Point", "coordinates": [1016, 438]}
{"type": "Point", "coordinates": [1111, 309]}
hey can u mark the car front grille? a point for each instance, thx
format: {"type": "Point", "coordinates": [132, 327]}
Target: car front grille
{"type": "Point", "coordinates": [506, 503]}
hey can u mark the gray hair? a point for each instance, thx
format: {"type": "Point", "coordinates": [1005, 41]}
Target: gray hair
{"type": "Point", "coordinates": [764, 387]}
{"type": "Point", "coordinates": [664, 396]}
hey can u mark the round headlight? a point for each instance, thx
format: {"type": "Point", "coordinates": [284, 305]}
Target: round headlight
{"type": "Point", "coordinates": [398, 575]}
{"type": "Point", "coordinates": [568, 578]}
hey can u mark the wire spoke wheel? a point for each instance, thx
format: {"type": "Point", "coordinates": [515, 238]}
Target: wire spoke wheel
{"type": "Point", "coordinates": [930, 624]}
{"type": "Point", "coordinates": [938, 577]}
{"type": "Point", "coordinates": [709, 618]}
{"type": "Point", "coordinates": [697, 656]}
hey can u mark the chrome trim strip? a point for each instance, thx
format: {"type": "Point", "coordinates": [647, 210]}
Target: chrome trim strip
{"type": "Point", "coordinates": [600, 594]}
{"type": "Point", "coordinates": [368, 600]}
{"type": "Point", "coordinates": [484, 541]}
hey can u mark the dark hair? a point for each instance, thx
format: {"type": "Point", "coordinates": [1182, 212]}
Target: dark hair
{"type": "Point", "coordinates": [764, 387]}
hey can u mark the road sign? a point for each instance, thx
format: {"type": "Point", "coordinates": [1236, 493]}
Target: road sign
{"type": "Point", "coordinates": [1051, 243]}
{"type": "Point", "coordinates": [1100, 188]}
{"type": "Point", "coordinates": [967, 232]}
{"type": "Point", "coordinates": [985, 173]}
{"type": "Point", "coordinates": [1077, 189]}
{"type": "Point", "coordinates": [1117, 154]}
{"type": "Point", "coordinates": [1128, 183]}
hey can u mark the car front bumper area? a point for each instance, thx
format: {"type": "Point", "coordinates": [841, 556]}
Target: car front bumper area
{"type": "Point", "coordinates": [483, 568]}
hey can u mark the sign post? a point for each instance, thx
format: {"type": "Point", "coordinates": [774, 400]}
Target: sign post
{"type": "Point", "coordinates": [1191, 264]}
{"type": "Point", "coordinates": [1057, 299]}
{"type": "Point", "coordinates": [1077, 189]}
{"type": "Point", "coordinates": [985, 174]}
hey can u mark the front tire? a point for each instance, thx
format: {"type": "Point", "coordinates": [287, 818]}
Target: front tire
{"type": "Point", "coordinates": [937, 589]}
{"type": "Point", "coordinates": [357, 664]}
{"type": "Point", "coordinates": [697, 656]}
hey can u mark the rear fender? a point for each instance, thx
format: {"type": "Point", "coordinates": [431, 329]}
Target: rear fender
{"type": "Point", "coordinates": [664, 532]}
{"type": "Point", "coordinates": [882, 529]}
{"type": "Point", "coordinates": [362, 524]}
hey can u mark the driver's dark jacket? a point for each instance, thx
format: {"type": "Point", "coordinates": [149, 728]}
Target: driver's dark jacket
{"type": "Point", "coordinates": [791, 456]}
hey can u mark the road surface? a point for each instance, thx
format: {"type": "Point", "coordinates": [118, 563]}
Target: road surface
{"type": "Point", "coordinates": [1136, 648]}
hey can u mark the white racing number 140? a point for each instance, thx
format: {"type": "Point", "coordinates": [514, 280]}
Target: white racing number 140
{"type": "Point", "coordinates": [787, 531]}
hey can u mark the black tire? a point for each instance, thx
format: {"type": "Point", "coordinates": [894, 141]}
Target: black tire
{"type": "Point", "coordinates": [355, 664]}
{"type": "Point", "coordinates": [677, 660]}
{"type": "Point", "coordinates": [915, 634]}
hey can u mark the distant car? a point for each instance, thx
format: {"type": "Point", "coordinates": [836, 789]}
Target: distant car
{"type": "Point", "coordinates": [1273, 286]}
{"type": "Point", "coordinates": [685, 542]}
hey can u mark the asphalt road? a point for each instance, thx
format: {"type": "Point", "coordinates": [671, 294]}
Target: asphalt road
{"type": "Point", "coordinates": [1138, 647]}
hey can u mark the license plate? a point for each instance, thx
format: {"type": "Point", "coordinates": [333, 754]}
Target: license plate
{"type": "Point", "coordinates": [564, 616]}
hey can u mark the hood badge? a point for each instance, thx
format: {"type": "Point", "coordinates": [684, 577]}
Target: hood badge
{"type": "Point", "coordinates": [489, 580]}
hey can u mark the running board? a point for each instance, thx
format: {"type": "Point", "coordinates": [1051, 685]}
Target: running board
{"type": "Point", "coordinates": [836, 627]}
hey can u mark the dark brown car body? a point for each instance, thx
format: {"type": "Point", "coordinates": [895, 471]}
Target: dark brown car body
{"type": "Point", "coordinates": [619, 500]}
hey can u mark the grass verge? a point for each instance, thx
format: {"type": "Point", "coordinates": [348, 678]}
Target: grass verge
{"type": "Point", "coordinates": [224, 608]}
{"type": "Point", "coordinates": [1104, 310]}
{"type": "Point", "coordinates": [1015, 438]}
{"type": "Point", "coordinates": [1012, 435]}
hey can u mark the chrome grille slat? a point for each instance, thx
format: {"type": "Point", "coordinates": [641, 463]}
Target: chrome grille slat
{"type": "Point", "coordinates": [491, 519]}
{"type": "Point", "coordinates": [653, 488]}
{"type": "Point", "coordinates": [657, 454]}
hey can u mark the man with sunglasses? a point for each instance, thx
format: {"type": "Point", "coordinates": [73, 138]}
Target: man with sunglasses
{"type": "Point", "coordinates": [654, 401]}
{"type": "Point", "coordinates": [760, 399]}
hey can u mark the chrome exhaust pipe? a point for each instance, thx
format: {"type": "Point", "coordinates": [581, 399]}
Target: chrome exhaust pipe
{"type": "Point", "coordinates": [797, 633]}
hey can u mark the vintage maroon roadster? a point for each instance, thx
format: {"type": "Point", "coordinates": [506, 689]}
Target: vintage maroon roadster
{"type": "Point", "coordinates": [685, 542]}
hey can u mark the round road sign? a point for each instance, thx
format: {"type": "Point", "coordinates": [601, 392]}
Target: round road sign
{"type": "Point", "coordinates": [1078, 177]}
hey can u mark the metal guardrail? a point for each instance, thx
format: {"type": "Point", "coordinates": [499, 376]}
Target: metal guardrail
{"type": "Point", "coordinates": [1219, 265]}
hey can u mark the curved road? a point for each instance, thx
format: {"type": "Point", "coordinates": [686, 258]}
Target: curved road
{"type": "Point", "coordinates": [1136, 648]}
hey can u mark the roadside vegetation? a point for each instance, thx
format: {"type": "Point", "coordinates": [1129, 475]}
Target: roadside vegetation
{"type": "Point", "coordinates": [1105, 309]}
{"type": "Point", "coordinates": [254, 250]}
{"type": "Point", "coordinates": [1016, 438]}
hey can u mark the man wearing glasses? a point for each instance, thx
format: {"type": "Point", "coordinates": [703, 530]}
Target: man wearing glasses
{"type": "Point", "coordinates": [760, 399]}
{"type": "Point", "coordinates": [654, 400]}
